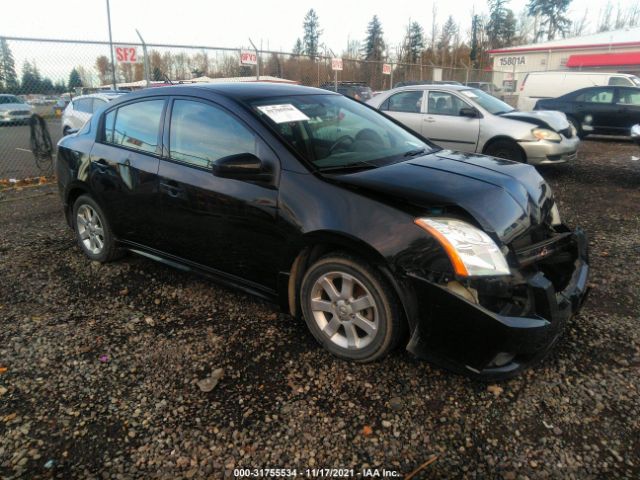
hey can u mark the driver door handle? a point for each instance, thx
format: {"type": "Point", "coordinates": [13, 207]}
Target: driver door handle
{"type": "Point", "coordinates": [429, 120]}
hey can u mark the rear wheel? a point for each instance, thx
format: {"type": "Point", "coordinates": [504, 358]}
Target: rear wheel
{"type": "Point", "coordinates": [506, 149]}
{"type": "Point", "coordinates": [350, 308]}
{"type": "Point", "coordinates": [93, 233]}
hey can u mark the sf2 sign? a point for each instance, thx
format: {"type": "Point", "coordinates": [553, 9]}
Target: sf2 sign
{"type": "Point", "coordinates": [386, 69]}
{"type": "Point", "coordinates": [247, 57]}
{"type": "Point", "coordinates": [336, 64]}
{"type": "Point", "coordinates": [126, 54]}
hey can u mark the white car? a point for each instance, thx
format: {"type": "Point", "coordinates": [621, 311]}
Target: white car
{"type": "Point", "coordinates": [470, 120]}
{"type": "Point", "coordinates": [81, 108]}
{"type": "Point", "coordinates": [13, 110]}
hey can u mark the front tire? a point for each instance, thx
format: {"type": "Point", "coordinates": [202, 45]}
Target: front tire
{"type": "Point", "coordinates": [350, 308]}
{"type": "Point", "coordinates": [506, 149]}
{"type": "Point", "coordinates": [93, 234]}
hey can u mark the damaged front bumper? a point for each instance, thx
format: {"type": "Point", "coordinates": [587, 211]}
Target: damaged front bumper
{"type": "Point", "coordinates": [465, 336]}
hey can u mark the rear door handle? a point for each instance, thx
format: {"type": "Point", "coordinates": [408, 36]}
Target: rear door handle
{"type": "Point", "coordinates": [429, 120]}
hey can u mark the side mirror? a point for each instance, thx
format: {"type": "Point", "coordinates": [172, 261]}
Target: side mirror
{"type": "Point", "coordinates": [242, 166]}
{"type": "Point", "coordinates": [469, 112]}
{"type": "Point", "coordinates": [71, 131]}
{"type": "Point", "coordinates": [635, 134]}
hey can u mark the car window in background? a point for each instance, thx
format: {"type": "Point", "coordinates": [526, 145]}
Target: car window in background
{"type": "Point", "coordinates": [84, 105]}
{"type": "Point", "coordinates": [410, 102]}
{"type": "Point", "coordinates": [629, 97]}
{"type": "Point", "coordinates": [491, 104]}
{"type": "Point", "coordinates": [443, 103]}
{"type": "Point", "coordinates": [635, 80]}
{"type": "Point", "coordinates": [10, 99]}
{"type": "Point", "coordinates": [600, 95]}
{"type": "Point", "coordinates": [333, 132]}
{"type": "Point", "coordinates": [136, 125]}
{"type": "Point", "coordinates": [200, 134]}
{"type": "Point", "coordinates": [97, 103]}
{"type": "Point", "coordinates": [620, 82]}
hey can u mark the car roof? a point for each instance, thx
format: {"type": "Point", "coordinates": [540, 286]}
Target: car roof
{"type": "Point", "coordinates": [103, 95]}
{"type": "Point", "coordinates": [239, 91]}
{"type": "Point", "coordinates": [455, 88]}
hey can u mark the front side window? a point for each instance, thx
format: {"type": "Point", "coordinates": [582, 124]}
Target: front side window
{"type": "Point", "coordinates": [332, 132]}
{"type": "Point", "coordinates": [409, 102]}
{"type": "Point", "coordinates": [442, 103]}
{"type": "Point", "coordinates": [200, 134]}
{"type": "Point", "coordinates": [10, 99]}
{"type": "Point", "coordinates": [135, 125]}
{"type": "Point", "coordinates": [600, 95]}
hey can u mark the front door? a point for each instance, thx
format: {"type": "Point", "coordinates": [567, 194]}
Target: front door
{"type": "Point", "coordinates": [124, 167]}
{"type": "Point", "coordinates": [628, 107]}
{"type": "Point", "coordinates": [222, 223]}
{"type": "Point", "coordinates": [444, 125]}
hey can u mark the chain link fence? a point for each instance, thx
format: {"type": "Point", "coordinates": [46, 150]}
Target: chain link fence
{"type": "Point", "coordinates": [45, 74]}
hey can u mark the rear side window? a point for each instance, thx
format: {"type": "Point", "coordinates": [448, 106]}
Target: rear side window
{"type": "Point", "coordinates": [200, 134]}
{"type": "Point", "coordinates": [84, 105]}
{"type": "Point", "coordinates": [135, 125]}
{"type": "Point", "coordinates": [620, 82]}
{"type": "Point", "coordinates": [97, 103]}
{"type": "Point", "coordinates": [600, 95]}
{"type": "Point", "coordinates": [629, 97]}
{"type": "Point", "coordinates": [410, 102]}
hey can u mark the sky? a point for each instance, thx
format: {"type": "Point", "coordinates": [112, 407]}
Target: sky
{"type": "Point", "coordinates": [274, 24]}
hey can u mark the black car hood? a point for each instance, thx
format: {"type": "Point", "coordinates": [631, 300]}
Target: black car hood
{"type": "Point", "coordinates": [504, 197]}
{"type": "Point", "coordinates": [556, 121]}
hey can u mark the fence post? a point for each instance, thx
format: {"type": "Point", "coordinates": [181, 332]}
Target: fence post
{"type": "Point", "coordinates": [146, 58]}
{"type": "Point", "coordinates": [113, 64]}
{"type": "Point", "coordinates": [257, 61]}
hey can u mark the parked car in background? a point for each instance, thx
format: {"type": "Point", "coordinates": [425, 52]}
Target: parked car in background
{"type": "Point", "coordinates": [14, 111]}
{"type": "Point", "coordinates": [540, 85]}
{"type": "Point", "coordinates": [600, 110]}
{"type": "Point", "coordinates": [60, 105]}
{"type": "Point", "coordinates": [488, 87]}
{"type": "Point", "coordinates": [357, 90]}
{"type": "Point", "coordinates": [347, 219]}
{"type": "Point", "coordinates": [470, 120]}
{"type": "Point", "coordinates": [81, 108]}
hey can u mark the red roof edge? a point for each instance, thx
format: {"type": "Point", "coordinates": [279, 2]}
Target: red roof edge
{"type": "Point", "coordinates": [563, 47]}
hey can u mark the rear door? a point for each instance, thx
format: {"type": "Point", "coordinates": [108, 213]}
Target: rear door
{"type": "Point", "coordinates": [222, 223]}
{"type": "Point", "coordinates": [124, 167]}
{"type": "Point", "coordinates": [628, 107]}
{"type": "Point", "coordinates": [445, 126]}
{"type": "Point", "coordinates": [594, 107]}
{"type": "Point", "coordinates": [407, 107]}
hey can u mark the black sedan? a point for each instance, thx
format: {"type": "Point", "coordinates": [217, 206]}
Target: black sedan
{"type": "Point", "coordinates": [601, 110]}
{"type": "Point", "coordinates": [370, 233]}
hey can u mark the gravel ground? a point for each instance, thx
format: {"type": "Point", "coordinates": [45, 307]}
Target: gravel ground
{"type": "Point", "coordinates": [100, 364]}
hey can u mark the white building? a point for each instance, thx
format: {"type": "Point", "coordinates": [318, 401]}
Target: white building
{"type": "Point", "coordinates": [616, 51]}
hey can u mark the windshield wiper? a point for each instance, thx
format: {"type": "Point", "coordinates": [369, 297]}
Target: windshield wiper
{"type": "Point", "coordinates": [415, 153]}
{"type": "Point", "coordinates": [349, 166]}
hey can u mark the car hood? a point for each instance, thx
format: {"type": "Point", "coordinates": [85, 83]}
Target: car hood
{"type": "Point", "coordinates": [542, 118]}
{"type": "Point", "coordinates": [506, 198]}
{"type": "Point", "coordinates": [15, 106]}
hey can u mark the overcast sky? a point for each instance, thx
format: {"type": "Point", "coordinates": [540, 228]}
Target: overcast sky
{"type": "Point", "coordinates": [229, 23]}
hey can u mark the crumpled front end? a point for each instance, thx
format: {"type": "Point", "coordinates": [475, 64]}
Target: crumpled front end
{"type": "Point", "coordinates": [492, 328]}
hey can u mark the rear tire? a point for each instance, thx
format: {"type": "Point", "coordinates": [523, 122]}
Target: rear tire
{"type": "Point", "coordinates": [93, 233]}
{"type": "Point", "coordinates": [506, 149]}
{"type": "Point", "coordinates": [350, 308]}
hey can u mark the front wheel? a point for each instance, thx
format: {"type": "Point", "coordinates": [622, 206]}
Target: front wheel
{"type": "Point", "coordinates": [350, 309]}
{"type": "Point", "coordinates": [506, 149]}
{"type": "Point", "coordinates": [93, 233]}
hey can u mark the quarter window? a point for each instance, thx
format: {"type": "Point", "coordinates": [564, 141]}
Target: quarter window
{"type": "Point", "coordinates": [200, 134]}
{"type": "Point", "coordinates": [441, 103]}
{"type": "Point", "coordinates": [620, 82]}
{"type": "Point", "coordinates": [135, 125]}
{"type": "Point", "coordinates": [84, 105]}
{"type": "Point", "coordinates": [629, 97]}
{"type": "Point", "coordinates": [410, 102]}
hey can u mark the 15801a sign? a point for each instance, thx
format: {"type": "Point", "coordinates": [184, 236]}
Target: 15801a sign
{"type": "Point", "coordinates": [511, 61]}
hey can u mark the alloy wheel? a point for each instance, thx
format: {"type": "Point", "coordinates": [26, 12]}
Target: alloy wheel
{"type": "Point", "coordinates": [90, 229]}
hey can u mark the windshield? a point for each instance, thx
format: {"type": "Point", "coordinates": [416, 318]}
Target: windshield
{"type": "Point", "coordinates": [333, 132]}
{"type": "Point", "coordinates": [490, 103]}
{"type": "Point", "coordinates": [10, 99]}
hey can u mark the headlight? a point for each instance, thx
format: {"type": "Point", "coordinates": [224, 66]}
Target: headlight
{"type": "Point", "coordinates": [555, 215]}
{"type": "Point", "coordinates": [471, 251]}
{"type": "Point", "coordinates": [546, 134]}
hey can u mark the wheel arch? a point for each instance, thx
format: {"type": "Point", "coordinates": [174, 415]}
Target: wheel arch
{"type": "Point", "coordinates": [317, 244]}
{"type": "Point", "coordinates": [72, 194]}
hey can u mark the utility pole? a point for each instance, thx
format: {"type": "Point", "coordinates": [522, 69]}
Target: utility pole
{"type": "Point", "coordinates": [146, 58]}
{"type": "Point", "coordinates": [335, 73]}
{"type": "Point", "coordinates": [113, 64]}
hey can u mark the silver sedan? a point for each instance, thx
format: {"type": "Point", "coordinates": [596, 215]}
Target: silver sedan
{"type": "Point", "coordinates": [470, 120]}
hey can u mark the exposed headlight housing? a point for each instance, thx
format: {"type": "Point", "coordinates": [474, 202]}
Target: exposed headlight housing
{"type": "Point", "coordinates": [546, 134]}
{"type": "Point", "coordinates": [471, 251]}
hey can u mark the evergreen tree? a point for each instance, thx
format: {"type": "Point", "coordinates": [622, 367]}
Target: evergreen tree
{"type": "Point", "coordinates": [157, 75]}
{"type": "Point", "coordinates": [74, 80]}
{"type": "Point", "coordinates": [415, 42]}
{"type": "Point", "coordinates": [8, 76]}
{"type": "Point", "coordinates": [47, 86]}
{"type": "Point", "coordinates": [374, 43]}
{"type": "Point", "coordinates": [501, 28]}
{"type": "Point", "coordinates": [298, 48]}
{"type": "Point", "coordinates": [449, 33]}
{"type": "Point", "coordinates": [474, 53]}
{"type": "Point", "coordinates": [552, 14]}
{"type": "Point", "coordinates": [30, 82]}
{"type": "Point", "coordinates": [312, 32]}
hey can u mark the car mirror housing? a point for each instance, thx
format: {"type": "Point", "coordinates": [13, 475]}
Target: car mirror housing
{"type": "Point", "coordinates": [469, 112]}
{"type": "Point", "coordinates": [241, 166]}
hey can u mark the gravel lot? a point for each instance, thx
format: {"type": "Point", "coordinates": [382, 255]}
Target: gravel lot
{"type": "Point", "coordinates": [103, 363]}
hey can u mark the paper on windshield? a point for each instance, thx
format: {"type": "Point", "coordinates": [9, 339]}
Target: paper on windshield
{"type": "Point", "coordinates": [283, 113]}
